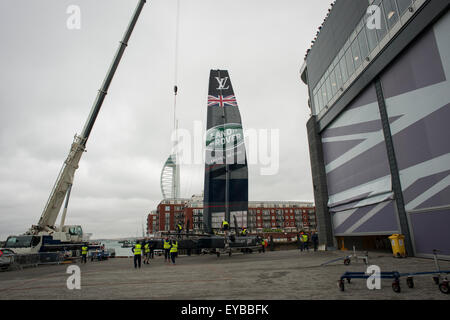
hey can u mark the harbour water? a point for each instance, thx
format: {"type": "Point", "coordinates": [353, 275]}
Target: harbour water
{"type": "Point", "coordinates": [114, 244]}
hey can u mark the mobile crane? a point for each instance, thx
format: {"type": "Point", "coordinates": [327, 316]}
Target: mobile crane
{"type": "Point", "coordinates": [45, 236]}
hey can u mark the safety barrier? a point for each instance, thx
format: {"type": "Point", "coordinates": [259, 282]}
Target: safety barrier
{"type": "Point", "coordinates": [20, 261]}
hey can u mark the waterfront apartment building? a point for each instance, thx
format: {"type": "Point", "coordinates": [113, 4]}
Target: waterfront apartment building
{"type": "Point", "coordinates": [262, 216]}
{"type": "Point", "coordinates": [378, 76]}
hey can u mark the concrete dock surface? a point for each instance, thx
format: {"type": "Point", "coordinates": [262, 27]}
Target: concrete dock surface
{"type": "Point", "coordinates": [278, 275]}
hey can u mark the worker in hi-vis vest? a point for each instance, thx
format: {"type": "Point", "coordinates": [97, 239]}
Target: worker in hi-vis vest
{"type": "Point", "coordinates": [225, 227]}
{"type": "Point", "coordinates": [147, 252]}
{"type": "Point", "coordinates": [137, 251]}
{"type": "Point", "coordinates": [305, 241]}
{"type": "Point", "coordinates": [84, 252]}
{"type": "Point", "coordinates": [173, 250]}
{"type": "Point", "coordinates": [166, 250]}
{"type": "Point", "coordinates": [179, 229]}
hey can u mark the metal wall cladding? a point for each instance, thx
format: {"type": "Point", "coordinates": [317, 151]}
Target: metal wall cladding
{"type": "Point", "coordinates": [417, 93]}
{"type": "Point", "coordinates": [355, 156]}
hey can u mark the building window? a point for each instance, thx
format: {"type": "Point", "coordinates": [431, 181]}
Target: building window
{"type": "Point", "coordinates": [334, 85]}
{"type": "Point", "coordinates": [363, 44]}
{"type": "Point", "coordinates": [316, 103]}
{"type": "Point", "coordinates": [343, 67]}
{"type": "Point", "coordinates": [329, 93]}
{"type": "Point", "coordinates": [339, 81]}
{"type": "Point", "coordinates": [356, 53]}
{"type": "Point", "coordinates": [383, 30]}
{"type": "Point", "coordinates": [167, 208]}
{"type": "Point", "coordinates": [324, 97]}
{"type": "Point", "coordinates": [349, 61]}
{"type": "Point", "coordinates": [390, 10]}
{"type": "Point", "coordinates": [403, 5]}
{"type": "Point", "coordinates": [167, 222]}
{"type": "Point", "coordinates": [319, 99]}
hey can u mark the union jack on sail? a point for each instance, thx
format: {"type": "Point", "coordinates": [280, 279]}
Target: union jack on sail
{"type": "Point", "coordinates": [221, 101]}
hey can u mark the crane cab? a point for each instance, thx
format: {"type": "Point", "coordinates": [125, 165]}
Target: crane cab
{"type": "Point", "coordinates": [69, 233]}
{"type": "Point", "coordinates": [74, 233]}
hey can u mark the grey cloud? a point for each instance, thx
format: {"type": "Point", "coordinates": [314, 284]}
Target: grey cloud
{"type": "Point", "coordinates": [50, 77]}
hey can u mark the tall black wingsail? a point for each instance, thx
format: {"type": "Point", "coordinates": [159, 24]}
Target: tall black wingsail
{"type": "Point", "coordinates": [226, 173]}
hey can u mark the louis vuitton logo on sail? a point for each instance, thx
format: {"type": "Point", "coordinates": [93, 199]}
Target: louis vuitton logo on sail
{"type": "Point", "coordinates": [222, 83]}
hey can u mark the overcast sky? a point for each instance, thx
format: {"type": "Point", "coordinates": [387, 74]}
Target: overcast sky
{"type": "Point", "coordinates": [50, 76]}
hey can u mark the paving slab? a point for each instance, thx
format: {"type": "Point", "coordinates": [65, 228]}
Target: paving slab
{"type": "Point", "coordinates": [278, 275]}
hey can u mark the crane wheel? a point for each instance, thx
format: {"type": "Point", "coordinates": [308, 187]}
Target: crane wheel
{"type": "Point", "coordinates": [444, 288]}
{"type": "Point", "coordinates": [341, 285]}
{"type": "Point", "coordinates": [410, 282]}
{"type": "Point", "coordinates": [396, 286]}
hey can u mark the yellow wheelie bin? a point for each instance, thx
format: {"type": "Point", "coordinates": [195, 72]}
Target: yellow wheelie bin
{"type": "Point", "coordinates": [398, 245]}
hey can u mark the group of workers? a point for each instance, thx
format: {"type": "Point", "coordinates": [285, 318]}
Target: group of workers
{"type": "Point", "coordinates": [244, 233]}
{"type": "Point", "coordinates": [146, 249]}
{"type": "Point", "coordinates": [170, 245]}
{"type": "Point", "coordinates": [143, 248]}
{"type": "Point", "coordinates": [226, 228]}
{"type": "Point", "coordinates": [303, 237]}
{"type": "Point", "coordinates": [304, 241]}
{"type": "Point", "coordinates": [170, 250]}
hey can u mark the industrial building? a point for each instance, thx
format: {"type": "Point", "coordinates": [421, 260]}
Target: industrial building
{"type": "Point", "coordinates": [378, 76]}
{"type": "Point", "coordinates": [262, 216]}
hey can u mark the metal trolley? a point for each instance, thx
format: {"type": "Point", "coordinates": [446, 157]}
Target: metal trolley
{"type": "Point", "coordinates": [348, 259]}
{"type": "Point", "coordinates": [439, 277]}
